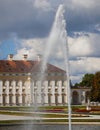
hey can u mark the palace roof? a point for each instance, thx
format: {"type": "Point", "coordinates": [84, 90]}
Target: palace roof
{"type": "Point", "coordinates": [25, 66]}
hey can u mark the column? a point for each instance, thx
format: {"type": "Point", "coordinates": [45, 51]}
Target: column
{"type": "Point", "coordinates": [83, 97]}
{"type": "Point", "coordinates": [28, 93]}
{"type": "Point", "coordinates": [65, 91]}
{"type": "Point", "coordinates": [59, 92]}
{"type": "Point", "coordinates": [39, 92]}
{"type": "Point", "coordinates": [53, 92]}
{"type": "Point", "coordinates": [45, 92]}
{"type": "Point", "coordinates": [35, 96]}
{"type": "Point", "coordinates": [13, 84]}
{"type": "Point", "coordinates": [79, 92]}
{"type": "Point", "coordinates": [7, 92]}
{"type": "Point", "coordinates": [32, 92]}
{"type": "Point", "coordinates": [20, 92]}
{"type": "Point", "coordinates": [1, 85]}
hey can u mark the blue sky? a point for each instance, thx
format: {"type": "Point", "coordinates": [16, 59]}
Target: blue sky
{"type": "Point", "coordinates": [25, 26]}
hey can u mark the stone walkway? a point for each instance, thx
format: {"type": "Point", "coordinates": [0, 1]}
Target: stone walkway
{"type": "Point", "coordinates": [13, 117]}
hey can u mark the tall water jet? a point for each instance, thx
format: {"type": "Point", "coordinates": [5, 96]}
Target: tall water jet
{"type": "Point", "coordinates": [59, 35]}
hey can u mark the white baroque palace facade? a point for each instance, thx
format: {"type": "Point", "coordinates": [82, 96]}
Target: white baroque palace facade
{"type": "Point", "coordinates": [20, 84]}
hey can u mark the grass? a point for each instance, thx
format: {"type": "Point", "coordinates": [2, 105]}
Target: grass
{"type": "Point", "coordinates": [48, 112]}
{"type": "Point", "coordinates": [45, 115]}
{"type": "Point", "coordinates": [5, 122]}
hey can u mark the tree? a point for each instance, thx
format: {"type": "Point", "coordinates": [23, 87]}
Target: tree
{"type": "Point", "coordinates": [95, 92]}
{"type": "Point", "coordinates": [87, 80]}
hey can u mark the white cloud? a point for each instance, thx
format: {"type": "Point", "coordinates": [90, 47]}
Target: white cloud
{"type": "Point", "coordinates": [76, 78]}
{"type": "Point", "coordinates": [82, 4]}
{"type": "Point", "coordinates": [42, 4]}
{"type": "Point", "coordinates": [86, 44]}
{"type": "Point", "coordinates": [82, 66]}
{"type": "Point", "coordinates": [80, 46]}
{"type": "Point", "coordinates": [97, 27]}
{"type": "Point", "coordinates": [85, 3]}
{"type": "Point", "coordinates": [20, 53]}
{"type": "Point", "coordinates": [85, 65]}
{"type": "Point", "coordinates": [95, 44]}
{"type": "Point", "coordinates": [32, 47]}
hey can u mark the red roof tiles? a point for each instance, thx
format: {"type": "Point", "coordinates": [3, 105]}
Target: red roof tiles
{"type": "Point", "coordinates": [21, 66]}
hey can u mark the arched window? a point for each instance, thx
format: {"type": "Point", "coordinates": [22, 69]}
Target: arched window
{"type": "Point", "coordinates": [75, 97]}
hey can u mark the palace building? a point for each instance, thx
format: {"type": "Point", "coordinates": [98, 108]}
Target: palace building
{"type": "Point", "coordinates": [21, 84]}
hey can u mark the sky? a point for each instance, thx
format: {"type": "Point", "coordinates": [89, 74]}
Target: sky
{"type": "Point", "coordinates": [25, 26]}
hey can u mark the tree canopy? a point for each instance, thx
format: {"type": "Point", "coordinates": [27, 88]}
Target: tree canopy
{"type": "Point", "coordinates": [95, 92]}
{"type": "Point", "coordinates": [87, 80]}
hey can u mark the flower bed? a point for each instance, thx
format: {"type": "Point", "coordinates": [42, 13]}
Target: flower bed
{"type": "Point", "coordinates": [54, 110]}
{"type": "Point", "coordinates": [91, 110]}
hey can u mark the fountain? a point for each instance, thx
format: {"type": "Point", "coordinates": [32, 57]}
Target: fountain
{"type": "Point", "coordinates": [59, 35]}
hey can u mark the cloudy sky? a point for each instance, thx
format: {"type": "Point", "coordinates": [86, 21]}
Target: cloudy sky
{"type": "Point", "coordinates": [25, 26]}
